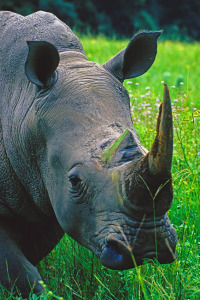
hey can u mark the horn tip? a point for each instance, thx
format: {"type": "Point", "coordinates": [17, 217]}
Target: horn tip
{"type": "Point", "coordinates": [166, 95]}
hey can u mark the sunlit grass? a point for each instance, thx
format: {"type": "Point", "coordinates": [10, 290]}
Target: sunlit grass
{"type": "Point", "coordinates": [71, 271]}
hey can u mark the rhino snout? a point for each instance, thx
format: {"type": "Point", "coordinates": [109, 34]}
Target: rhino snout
{"type": "Point", "coordinates": [121, 253]}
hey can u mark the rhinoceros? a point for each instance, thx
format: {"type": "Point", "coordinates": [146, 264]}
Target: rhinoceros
{"type": "Point", "coordinates": [71, 160]}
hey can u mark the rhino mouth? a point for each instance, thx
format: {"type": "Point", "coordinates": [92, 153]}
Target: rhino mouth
{"type": "Point", "coordinates": [117, 254]}
{"type": "Point", "coordinates": [116, 258]}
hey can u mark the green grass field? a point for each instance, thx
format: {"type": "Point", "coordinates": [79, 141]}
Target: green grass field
{"type": "Point", "coordinates": [71, 271]}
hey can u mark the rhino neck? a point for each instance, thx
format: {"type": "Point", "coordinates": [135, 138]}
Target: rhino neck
{"type": "Point", "coordinates": [18, 134]}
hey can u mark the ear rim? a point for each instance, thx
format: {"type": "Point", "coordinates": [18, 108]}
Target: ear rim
{"type": "Point", "coordinates": [37, 58]}
{"type": "Point", "coordinates": [144, 35]}
{"type": "Point", "coordinates": [116, 65]}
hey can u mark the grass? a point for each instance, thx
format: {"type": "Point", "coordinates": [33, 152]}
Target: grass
{"type": "Point", "coordinates": [71, 271]}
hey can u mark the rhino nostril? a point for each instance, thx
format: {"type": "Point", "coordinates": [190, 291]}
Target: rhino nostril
{"type": "Point", "coordinates": [116, 246]}
{"type": "Point", "coordinates": [116, 255]}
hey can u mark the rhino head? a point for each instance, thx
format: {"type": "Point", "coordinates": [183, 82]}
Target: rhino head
{"type": "Point", "coordinates": [107, 191]}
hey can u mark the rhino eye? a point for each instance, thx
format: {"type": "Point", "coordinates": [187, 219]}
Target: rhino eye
{"type": "Point", "coordinates": [78, 187]}
{"type": "Point", "coordinates": [75, 180]}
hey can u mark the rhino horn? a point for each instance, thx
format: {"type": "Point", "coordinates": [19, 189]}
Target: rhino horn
{"type": "Point", "coordinates": [160, 155]}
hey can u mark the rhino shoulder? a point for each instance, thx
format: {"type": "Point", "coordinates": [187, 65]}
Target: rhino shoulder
{"type": "Point", "coordinates": [53, 30]}
{"type": "Point", "coordinates": [47, 16]}
{"type": "Point", "coordinates": [6, 17]}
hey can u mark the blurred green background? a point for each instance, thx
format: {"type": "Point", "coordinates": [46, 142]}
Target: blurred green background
{"type": "Point", "coordinates": [180, 19]}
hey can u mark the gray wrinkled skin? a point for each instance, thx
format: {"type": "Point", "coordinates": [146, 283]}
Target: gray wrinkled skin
{"type": "Point", "coordinates": [59, 111]}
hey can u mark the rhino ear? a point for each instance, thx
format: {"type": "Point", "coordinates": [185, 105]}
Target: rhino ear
{"type": "Point", "coordinates": [42, 61]}
{"type": "Point", "coordinates": [136, 58]}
